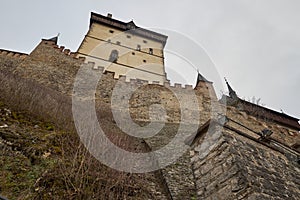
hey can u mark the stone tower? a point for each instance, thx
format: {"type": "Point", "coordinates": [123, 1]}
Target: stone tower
{"type": "Point", "coordinates": [124, 48]}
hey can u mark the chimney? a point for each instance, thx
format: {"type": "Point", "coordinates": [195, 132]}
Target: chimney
{"type": "Point", "coordinates": [109, 15]}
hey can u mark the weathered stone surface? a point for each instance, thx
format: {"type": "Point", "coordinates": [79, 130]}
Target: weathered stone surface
{"type": "Point", "coordinates": [233, 164]}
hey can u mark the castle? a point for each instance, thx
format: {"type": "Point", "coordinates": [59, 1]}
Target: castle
{"type": "Point", "coordinates": [239, 150]}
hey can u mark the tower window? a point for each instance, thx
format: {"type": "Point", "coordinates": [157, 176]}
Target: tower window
{"type": "Point", "coordinates": [114, 55]}
{"type": "Point", "coordinates": [118, 43]}
{"type": "Point", "coordinates": [111, 31]}
{"type": "Point", "coordinates": [151, 51]}
{"type": "Point", "coordinates": [144, 61]}
{"type": "Point", "coordinates": [138, 47]}
{"type": "Point", "coordinates": [133, 53]}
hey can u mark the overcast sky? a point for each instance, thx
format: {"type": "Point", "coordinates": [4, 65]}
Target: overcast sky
{"type": "Point", "coordinates": [254, 43]}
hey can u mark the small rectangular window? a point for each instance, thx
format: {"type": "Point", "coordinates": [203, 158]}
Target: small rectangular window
{"type": "Point", "coordinates": [118, 43]}
{"type": "Point", "coordinates": [150, 51]}
{"type": "Point", "coordinates": [128, 36]}
{"type": "Point", "coordinates": [145, 41]}
{"type": "Point", "coordinates": [138, 47]}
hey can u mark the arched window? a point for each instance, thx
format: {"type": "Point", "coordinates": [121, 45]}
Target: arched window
{"type": "Point", "coordinates": [114, 55]}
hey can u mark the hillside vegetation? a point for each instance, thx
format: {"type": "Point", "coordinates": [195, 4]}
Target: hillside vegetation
{"type": "Point", "coordinates": [38, 161]}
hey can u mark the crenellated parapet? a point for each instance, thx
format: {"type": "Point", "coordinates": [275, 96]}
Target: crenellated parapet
{"type": "Point", "coordinates": [56, 67]}
{"type": "Point", "coordinates": [82, 61]}
{"type": "Point", "coordinates": [9, 60]}
{"type": "Point", "coordinates": [12, 54]}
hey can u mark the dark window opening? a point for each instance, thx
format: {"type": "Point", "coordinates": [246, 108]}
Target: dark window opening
{"type": "Point", "coordinates": [138, 47]}
{"type": "Point", "coordinates": [144, 61]}
{"type": "Point", "coordinates": [109, 41]}
{"type": "Point", "coordinates": [111, 31]}
{"type": "Point", "coordinates": [133, 53]}
{"type": "Point", "coordinates": [145, 41]}
{"type": "Point", "coordinates": [118, 43]}
{"type": "Point", "coordinates": [128, 36]}
{"type": "Point", "coordinates": [114, 55]}
{"type": "Point", "coordinates": [151, 51]}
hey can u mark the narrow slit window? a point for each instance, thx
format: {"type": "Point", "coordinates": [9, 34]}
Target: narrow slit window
{"type": "Point", "coordinates": [114, 55]}
{"type": "Point", "coordinates": [138, 47]}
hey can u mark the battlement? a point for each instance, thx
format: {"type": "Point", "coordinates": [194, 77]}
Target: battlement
{"type": "Point", "coordinates": [92, 65]}
{"type": "Point", "coordinates": [13, 54]}
{"type": "Point", "coordinates": [65, 51]}
{"type": "Point", "coordinates": [113, 75]}
{"type": "Point", "coordinates": [61, 49]}
{"type": "Point", "coordinates": [57, 61]}
{"type": "Point", "coordinates": [136, 81]}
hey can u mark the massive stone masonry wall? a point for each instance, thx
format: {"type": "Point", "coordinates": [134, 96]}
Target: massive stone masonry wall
{"type": "Point", "coordinates": [260, 112]}
{"type": "Point", "coordinates": [178, 175]}
{"type": "Point", "coordinates": [10, 60]}
{"type": "Point", "coordinates": [43, 81]}
{"type": "Point", "coordinates": [44, 102]}
{"type": "Point", "coordinates": [241, 168]}
{"type": "Point", "coordinates": [41, 78]}
{"type": "Point", "coordinates": [42, 84]}
{"type": "Point", "coordinates": [56, 68]}
{"type": "Point", "coordinates": [281, 133]}
{"type": "Point", "coordinates": [51, 66]}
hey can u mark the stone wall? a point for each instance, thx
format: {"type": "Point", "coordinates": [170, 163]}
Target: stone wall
{"type": "Point", "coordinates": [41, 84]}
{"type": "Point", "coordinates": [35, 93]}
{"type": "Point", "coordinates": [243, 168]}
{"type": "Point", "coordinates": [282, 134]}
{"type": "Point", "coordinates": [56, 68]}
{"type": "Point", "coordinates": [10, 60]}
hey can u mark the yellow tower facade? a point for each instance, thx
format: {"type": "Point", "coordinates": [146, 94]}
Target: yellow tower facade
{"type": "Point", "coordinates": [124, 48]}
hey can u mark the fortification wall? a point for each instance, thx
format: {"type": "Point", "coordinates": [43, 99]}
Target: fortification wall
{"type": "Point", "coordinates": [42, 102]}
{"type": "Point", "coordinates": [241, 168]}
{"type": "Point", "coordinates": [282, 134]}
{"type": "Point", "coordinates": [9, 60]}
{"type": "Point", "coordinates": [38, 98]}
{"type": "Point", "coordinates": [43, 84]}
{"type": "Point", "coordinates": [56, 68]}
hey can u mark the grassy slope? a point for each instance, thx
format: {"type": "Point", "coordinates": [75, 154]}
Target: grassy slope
{"type": "Point", "coordinates": [39, 162]}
